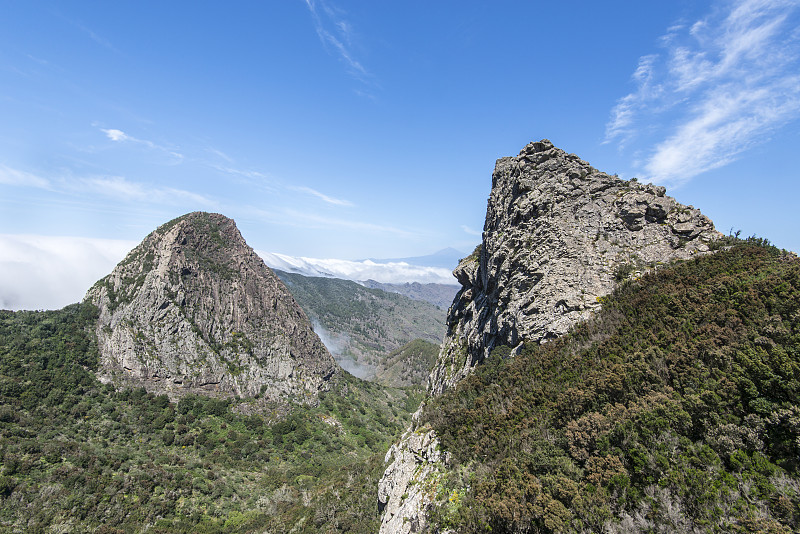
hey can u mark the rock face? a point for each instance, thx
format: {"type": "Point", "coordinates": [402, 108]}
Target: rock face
{"type": "Point", "coordinates": [559, 235]}
{"type": "Point", "coordinates": [194, 309]}
{"type": "Point", "coordinates": [405, 491]}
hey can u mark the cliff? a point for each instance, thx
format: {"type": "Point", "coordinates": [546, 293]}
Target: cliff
{"type": "Point", "coordinates": [194, 309]}
{"type": "Point", "coordinates": [559, 235]}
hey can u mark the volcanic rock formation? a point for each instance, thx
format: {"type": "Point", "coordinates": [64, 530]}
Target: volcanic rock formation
{"type": "Point", "coordinates": [193, 309]}
{"type": "Point", "coordinates": [559, 235]}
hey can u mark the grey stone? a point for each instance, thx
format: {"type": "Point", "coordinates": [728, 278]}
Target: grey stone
{"type": "Point", "coordinates": [557, 230]}
{"type": "Point", "coordinates": [193, 309]}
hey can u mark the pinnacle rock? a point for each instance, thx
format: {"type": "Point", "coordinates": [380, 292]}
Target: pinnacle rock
{"type": "Point", "coordinates": [559, 235]}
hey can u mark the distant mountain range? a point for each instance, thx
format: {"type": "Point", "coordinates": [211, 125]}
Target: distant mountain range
{"type": "Point", "coordinates": [361, 326]}
{"type": "Point", "coordinates": [435, 268]}
{"type": "Point", "coordinates": [440, 295]}
{"type": "Point", "coordinates": [447, 258]}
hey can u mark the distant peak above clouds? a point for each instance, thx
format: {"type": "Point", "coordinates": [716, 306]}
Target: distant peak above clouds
{"type": "Point", "coordinates": [422, 269]}
{"type": "Point", "coordinates": [49, 272]}
{"type": "Point", "coordinates": [447, 258]}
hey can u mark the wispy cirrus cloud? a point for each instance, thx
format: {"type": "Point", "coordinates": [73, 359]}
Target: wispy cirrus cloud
{"type": "Point", "coordinates": [10, 176]}
{"type": "Point", "coordinates": [336, 34]}
{"type": "Point", "coordinates": [121, 188]}
{"type": "Point", "coordinates": [322, 196]}
{"type": "Point", "coordinates": [110, 186]}
{"type": "Point", "coordinates": [288, 216]}
{"type": "Point", "coordinates": [470, 231]}
{"type": "Point", "coordinates": [721, 85]}
{"type": "Point", "coordinates": [311, 220]}
{"type": "Point", "coordinates": [118, 136]}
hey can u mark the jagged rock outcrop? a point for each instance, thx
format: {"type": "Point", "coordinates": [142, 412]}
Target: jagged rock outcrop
{"type": "Point", "coordinates": [559, 235]}
{"type": "Point", "coordinates": [194, 309]}
{"type": "Point", "coordinates": [410, 482]}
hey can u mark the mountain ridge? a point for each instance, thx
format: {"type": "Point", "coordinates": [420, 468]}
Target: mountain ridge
{"type": "Point", "coordinates": [361, 326]}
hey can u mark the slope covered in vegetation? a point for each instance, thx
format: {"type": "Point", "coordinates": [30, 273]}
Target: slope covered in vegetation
{"type": "Point", "coordinates": [409, 365]}
{"type": "Point", "coordinates": [363, 325]}
{"type": "Point", "coordinates": [675, 409]}
{"type": "Point", "coordinates": [78, 456]}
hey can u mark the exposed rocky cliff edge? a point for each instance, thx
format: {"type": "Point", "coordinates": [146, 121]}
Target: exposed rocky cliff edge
{"type": "Point", "coordinates": [559, 235]}
{"type": "Point", "coordinates": [194, 309]}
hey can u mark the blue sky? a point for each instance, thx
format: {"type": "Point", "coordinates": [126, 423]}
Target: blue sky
{"type": "Point", "coordinates": [334, 129]}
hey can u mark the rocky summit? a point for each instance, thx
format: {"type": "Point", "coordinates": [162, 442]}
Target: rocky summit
{"type": "Point", "coordinates": [193, 309]}
{"type": "Point", "coordinates": [559, 235]}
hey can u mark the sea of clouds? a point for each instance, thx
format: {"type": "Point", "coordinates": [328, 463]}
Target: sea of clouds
{"type": "Point", "coordinates": [48, 273]}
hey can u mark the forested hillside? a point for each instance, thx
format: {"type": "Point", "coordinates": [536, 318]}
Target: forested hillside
{"type": "Point", "coordinates": [675, 409]}
{"type": "Point", "coordinates": [360, 325]}
{"type": "Point", "coordinates": [409, 365]}
{"type": "Point", "coordinates": [78, 456]}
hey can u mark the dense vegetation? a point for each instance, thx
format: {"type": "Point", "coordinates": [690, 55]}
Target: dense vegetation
{"type": "Point", "coordinates": [78, 456]}
{"type": "Point", "coordinates": [674, 410]}
{"type": "Point", "coordinates": [440, 295]}
{"type": "Point", "coordinates": [362, 324]}
{"type": "Point", "coordinates": [409, 365]}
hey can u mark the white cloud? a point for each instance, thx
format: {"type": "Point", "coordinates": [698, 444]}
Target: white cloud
{"type": "Point", "coordinates": [119, 136]}
{"type": "Point", "coordinates": [9, 176]}
{"type": "Point", "coordinates": [338, 37]}
{"type": "Point", "coordinates": [389, 273]}
{"type": "Point", "coordinates": [470, 231]}
{"type": "Point", "coordinates": [722, 85]}
{"type": "Point", "coordinates": [45, 272]}
{"type": "Point", "coordinates": [115, 135]}
{"type": "Point", "coordinates": [624, 112]}
{"type": "Point", "coordinates": [240, 172]}
{"type": "Point", "coordinates": [119, 187]}
{"type": "Point", "coordinates": [309, 220]}
{"type": "Point", "coordinates": [220, 154]}
{"type": "Point", "coordinates": [324, 197]}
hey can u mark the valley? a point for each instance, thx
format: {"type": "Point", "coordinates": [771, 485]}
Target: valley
{"type": "Point", "coordinates": [361, 326]}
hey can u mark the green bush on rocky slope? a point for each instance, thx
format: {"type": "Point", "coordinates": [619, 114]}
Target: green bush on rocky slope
{"type": "Point", "coordinates": [676, 409]}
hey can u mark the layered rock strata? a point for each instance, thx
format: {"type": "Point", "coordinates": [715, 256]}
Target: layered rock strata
{"type": "Point", "coordinates": [559, 235]}
{"type": "Point", "coordinates": [194, 309]}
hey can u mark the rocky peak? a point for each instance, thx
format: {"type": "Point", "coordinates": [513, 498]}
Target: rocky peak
{"type": "Point", "coordinates": [194, 309]}
{"type": "Point", "coordinates": [559, 234]}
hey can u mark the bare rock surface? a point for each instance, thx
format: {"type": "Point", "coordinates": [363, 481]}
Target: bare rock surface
{"type": "Point", "coordinates": [193, 309]}
{"type": "Point", "coordinates": [405, 492]}
{"type": "Point", "coordinates": [559, 235]}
